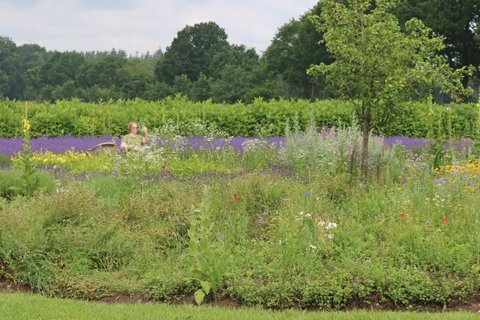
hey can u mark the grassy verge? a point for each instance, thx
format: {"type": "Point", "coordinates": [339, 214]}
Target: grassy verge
{"type": "Point", "coordinates": [24, 306]}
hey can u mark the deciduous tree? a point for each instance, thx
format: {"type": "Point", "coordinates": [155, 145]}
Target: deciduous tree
{"type": "Point", "coordinates": [295, 47]}
{"type": "Point", "coordinates": [457, 21]}
{"type": "Point", "coordinates": [191, 52]}
{"type": "Point", "coordinates": [376, 64]}
{"type": "Point", "coordinates": [11, 84]}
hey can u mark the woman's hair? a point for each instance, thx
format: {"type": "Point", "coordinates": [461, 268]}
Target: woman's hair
{"type": "Point", "coordinates": [131, 124]}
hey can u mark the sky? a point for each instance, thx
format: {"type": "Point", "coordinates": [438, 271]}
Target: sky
{"type": "Point", "coordinates": [141, 26]}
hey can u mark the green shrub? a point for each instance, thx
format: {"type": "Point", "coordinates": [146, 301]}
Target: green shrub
{"type": "Point", "coordinates": [5, 161]}
{"type": "Point", "coordinates": [193, 118]}
{"type": "Point", "coordinates": [11, 183]}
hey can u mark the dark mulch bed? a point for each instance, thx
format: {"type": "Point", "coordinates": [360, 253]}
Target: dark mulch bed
{"type": "Point", "coordinates": [470, 304]}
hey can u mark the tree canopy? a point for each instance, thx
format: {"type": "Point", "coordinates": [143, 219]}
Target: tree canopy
{"type": "Point", "coordinates": [191, 52]}
{"type": "Point", "coordinates": [295, 47]}
{"type": "Point", "coordinates": [201, 64]}
{"type": "Point", "coordinates": [457, 21]}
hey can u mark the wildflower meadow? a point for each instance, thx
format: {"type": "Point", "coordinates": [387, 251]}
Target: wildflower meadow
{"type": "Point", "coordinates": [282, 222]}
{"type": "Point", "coordinates": [336, 175]}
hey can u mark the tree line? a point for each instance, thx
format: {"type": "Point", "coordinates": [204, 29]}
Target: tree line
{"type": "Point", "coordinates": [201, 64]}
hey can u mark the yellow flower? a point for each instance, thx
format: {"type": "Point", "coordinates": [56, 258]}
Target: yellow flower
{"type": "Point", "coordinates": [26, 124]}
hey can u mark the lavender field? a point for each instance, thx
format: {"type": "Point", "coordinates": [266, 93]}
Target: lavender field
{"type": "Point", "coordinates": [61, 144]}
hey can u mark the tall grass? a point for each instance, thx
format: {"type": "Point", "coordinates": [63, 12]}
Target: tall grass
{"type": "Point", "coordinates": [334, 151]}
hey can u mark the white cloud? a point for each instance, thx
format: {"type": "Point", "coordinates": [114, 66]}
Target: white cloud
{"type": "Point", "coordinates": [140, 26]}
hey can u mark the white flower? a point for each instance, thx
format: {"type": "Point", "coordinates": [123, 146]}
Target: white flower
{"type": "Point", "coordinates": [331, 225]}
{"type": "Point", "coordinates": [329, 236]}
{"type": "Point", "coordinates": [312, 246]}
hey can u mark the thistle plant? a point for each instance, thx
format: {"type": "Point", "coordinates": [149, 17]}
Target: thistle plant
{"type": "Point", "coordinates": [206, 249]}
{"type": "Point", "coordinates": [436, 148]}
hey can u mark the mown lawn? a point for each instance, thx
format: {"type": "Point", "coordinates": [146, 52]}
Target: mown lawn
{"type": "Point", "coordinates": [24, 306]}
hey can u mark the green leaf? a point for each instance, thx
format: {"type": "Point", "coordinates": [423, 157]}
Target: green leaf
{"type": "Point", "coordinates": [14, 189]}
{"type": "Point", "coordinates": [205, 286]}
{"type": "Point", "coordinates": [199, 296]}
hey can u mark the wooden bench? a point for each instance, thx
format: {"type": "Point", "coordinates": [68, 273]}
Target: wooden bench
{"type": "Point", "coordinates": [104, 147]}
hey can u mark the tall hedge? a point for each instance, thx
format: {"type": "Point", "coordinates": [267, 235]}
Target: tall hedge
{"type": "Point", "coordinates": [111, 118]}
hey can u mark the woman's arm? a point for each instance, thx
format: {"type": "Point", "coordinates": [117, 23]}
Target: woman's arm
{"type": "Point", "coordinates": [123, 145]}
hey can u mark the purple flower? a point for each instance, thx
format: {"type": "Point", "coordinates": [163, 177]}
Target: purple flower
{"type": "Point", "coordinates": [59, 144]}
{"type": "Point", "coordinates": [415, 144]}
{"type": "Point", "coordinates": [408, 143]}
{"type": "Point", "coordinates": [62, 144]}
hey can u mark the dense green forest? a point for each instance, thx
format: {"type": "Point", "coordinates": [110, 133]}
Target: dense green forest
{"type": "Point", "coordinates": [201, 64]}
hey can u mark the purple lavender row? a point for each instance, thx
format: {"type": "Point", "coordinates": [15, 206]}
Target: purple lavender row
{"type": "Point", "coordinates": [238, 143]}
{"type": "Point", "coordinates": [413, 144]}
{"type": "Point", "coordinates": [57, 144]}
{"type": "Point", "coordinates": [62, 144]}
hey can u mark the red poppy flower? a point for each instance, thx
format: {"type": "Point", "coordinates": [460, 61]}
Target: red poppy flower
{"type": "Point", "coordinates": [402, 214]}
{"type": "Point", "coordinates": [445, 219]}
{"type": "Point", "coordinates": [236, 197]}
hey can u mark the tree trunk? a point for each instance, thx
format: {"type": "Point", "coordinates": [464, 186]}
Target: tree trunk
{"type": "Point", "coordinates": [307, 89]}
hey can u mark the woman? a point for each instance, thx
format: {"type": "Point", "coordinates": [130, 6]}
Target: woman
{"type": "Point", "coordinates": [134, 141]}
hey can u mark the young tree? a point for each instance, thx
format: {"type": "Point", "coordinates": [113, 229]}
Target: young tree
{"type": "Point", "coordinates": [376, 64]}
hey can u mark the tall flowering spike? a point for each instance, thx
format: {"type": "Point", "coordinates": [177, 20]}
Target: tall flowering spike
{"type": "Point", "coordinates": [26, 125]}
{"type": "Point", "coordinates": [430, 133]}
{"type": "Point", "coordinates": [26, 133]}
{"type": "Point", "coordinates": [27, 166]}
{"type": "Point", "coordinates": [477, 133]}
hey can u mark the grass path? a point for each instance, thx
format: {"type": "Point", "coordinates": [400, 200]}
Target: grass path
{"type": "Point", "coordinates": [26, 306]}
